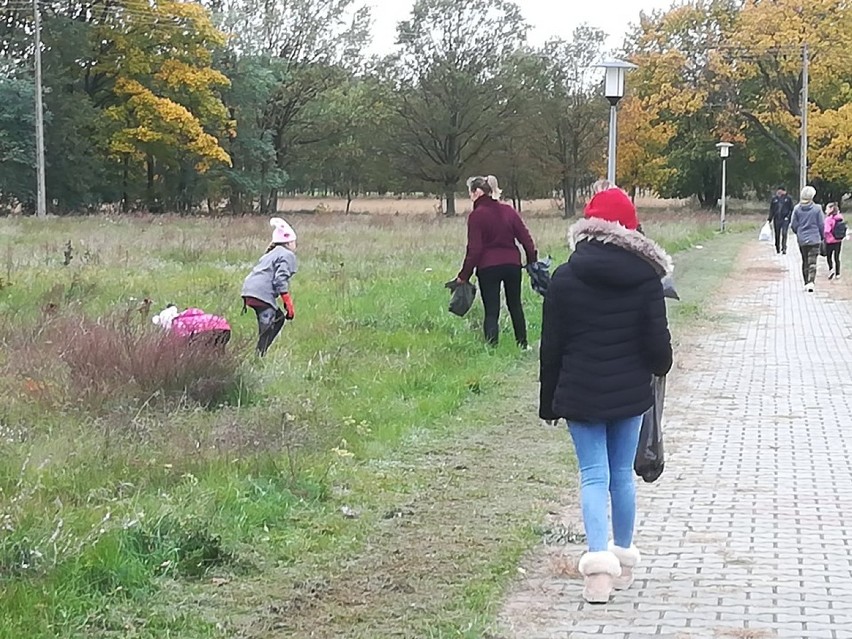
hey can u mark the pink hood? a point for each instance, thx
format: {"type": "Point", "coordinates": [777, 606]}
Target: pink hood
{"type": "Point", "coordinates": [194, 320]}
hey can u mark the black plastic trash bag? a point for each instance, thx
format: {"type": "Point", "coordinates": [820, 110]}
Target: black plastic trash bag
{"type": "Point", "coordinates": [650, 456]}
{"type": "Point", "coordinates": [464, 293]}
{"type": "Point", "coordinates": [540, 275]}
{"type": "Point", "coordinates": [669, 288]}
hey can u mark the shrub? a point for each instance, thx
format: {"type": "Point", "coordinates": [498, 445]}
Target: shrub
{"type": "Point", "coordinates": [119, 361]}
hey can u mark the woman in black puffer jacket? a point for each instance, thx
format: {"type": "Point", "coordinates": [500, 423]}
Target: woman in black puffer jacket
{"type": "Point", "coordinates": [604, 335]}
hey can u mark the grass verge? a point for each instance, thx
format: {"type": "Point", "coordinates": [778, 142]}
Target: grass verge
{"type": "Point", "coordinates": [380, 477]}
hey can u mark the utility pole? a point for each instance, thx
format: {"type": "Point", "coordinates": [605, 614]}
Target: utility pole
{"type": "Point", "coordinates": [41, 195]}
{"type": "Point", "coordinates": [803, 156]}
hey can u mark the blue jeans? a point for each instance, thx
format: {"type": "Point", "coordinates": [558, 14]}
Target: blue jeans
{"type": "Point", "coordinates": [605, 453]}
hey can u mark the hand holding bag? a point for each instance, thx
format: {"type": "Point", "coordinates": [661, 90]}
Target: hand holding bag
{"type": "Point", "coordinates": [650, 455]}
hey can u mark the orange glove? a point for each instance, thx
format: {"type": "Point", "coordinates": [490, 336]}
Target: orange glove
{"type": "Point", "coordinates": [288, 304]}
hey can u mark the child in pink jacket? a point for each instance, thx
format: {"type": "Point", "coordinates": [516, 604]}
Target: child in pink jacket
{"type": "Point", "coordinates": [835, 232]}
{"type": "Point", "coordinates": [193, 323]}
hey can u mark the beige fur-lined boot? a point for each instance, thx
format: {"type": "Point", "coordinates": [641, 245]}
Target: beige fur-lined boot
{"type": "Point", "coordinates": [628, 558]}
{"type": "Point", "coordinates": [599, 570]}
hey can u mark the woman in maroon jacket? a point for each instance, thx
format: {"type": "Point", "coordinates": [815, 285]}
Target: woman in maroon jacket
{"type": "Point", "coordinates": [493, 230]}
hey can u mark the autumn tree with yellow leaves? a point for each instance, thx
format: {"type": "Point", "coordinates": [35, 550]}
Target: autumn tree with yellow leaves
{"type": "Point", "coordinates": [722, 69]}
{"type": "Point", "coordinates": [167, 115]}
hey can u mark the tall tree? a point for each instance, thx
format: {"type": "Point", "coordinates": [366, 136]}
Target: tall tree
{"type": "Point", "coordinates": [678, 83]}
{"type": "Point", "coordinates": [17, 142]}
{"type": "Point", "coordinates": [765, 63]}
{"type": "Point", "coordinates": [354, 159]}
{"type": "Point", "coordinates": [447, 74]}
{"type": "Point", "coordinates": [254, 170]}
{"type": "Point", "coordinates": [642, 142]}
{"type": "Point", "coordinates": [309, 47]}
{"type": "Point", "coordinates": [165, 99]}
{"type": "Point", "coordinates": [572, 114]}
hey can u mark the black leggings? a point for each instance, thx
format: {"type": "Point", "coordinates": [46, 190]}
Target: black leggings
{"type": "Point", "coordinates": [490, 279]}
{"type": "Point", "coordinates": [832, 254]}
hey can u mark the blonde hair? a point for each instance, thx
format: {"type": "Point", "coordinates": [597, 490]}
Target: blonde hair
{"type": "Point", "coordinates": [808, 194]}
{"type": "Point", "coordinates": [496, 192]}
{"type": "Point", "coordinates": [602, 185]}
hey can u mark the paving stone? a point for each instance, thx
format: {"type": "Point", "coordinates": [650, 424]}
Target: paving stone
{"type": "Point", "coordinates": [747, 529]}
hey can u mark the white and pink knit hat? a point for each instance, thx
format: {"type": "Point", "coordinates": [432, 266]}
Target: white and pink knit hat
{"type": "Point", "coordinates": [282, 232]}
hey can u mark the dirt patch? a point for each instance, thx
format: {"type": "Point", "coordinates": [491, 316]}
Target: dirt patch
{"type": "Point", "coordinates": [436, 552]}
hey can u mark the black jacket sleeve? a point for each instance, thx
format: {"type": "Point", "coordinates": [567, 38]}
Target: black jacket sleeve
{"type": "Point", "coordinates": [658, 339]}
{"type": "Point", "coordinates": [553, 337]}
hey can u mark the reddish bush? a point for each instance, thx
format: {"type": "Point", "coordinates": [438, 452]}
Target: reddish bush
{"type": "Point", "coordinates": [112, 362]}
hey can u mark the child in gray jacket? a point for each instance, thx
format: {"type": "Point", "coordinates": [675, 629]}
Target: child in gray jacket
{"type": "Point", "coordinates": [269, 280]}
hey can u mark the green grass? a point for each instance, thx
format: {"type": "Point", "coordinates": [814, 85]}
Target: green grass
{"type": "Point", "coordinates": [116, 517]}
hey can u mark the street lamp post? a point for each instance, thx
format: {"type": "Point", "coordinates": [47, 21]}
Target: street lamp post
{"type": "Point", "coordinates": [724, 152]}
{"type": "Point", "coordinates": [614, 91]}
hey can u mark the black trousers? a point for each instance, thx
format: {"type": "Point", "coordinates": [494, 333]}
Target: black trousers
{"type": "Point", "coordinates": [490, 280]}
{"type": "Point", "coordinates": [832, 254]}
{"type": "Point", "coordinates": [781, 229]}
{"type": "Point", "coordinates": [270, 321]}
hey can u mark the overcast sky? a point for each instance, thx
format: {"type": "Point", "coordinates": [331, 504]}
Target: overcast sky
{"type": "Point", "coordinates": [548, 18]}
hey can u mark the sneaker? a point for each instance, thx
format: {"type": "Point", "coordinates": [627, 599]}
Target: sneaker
{"type": "Point", "coordinates": [809, 288]}
{"type": "Point", "coordinates": [831, 275]}
{"type": "Point", "coordinates": [837, 277]}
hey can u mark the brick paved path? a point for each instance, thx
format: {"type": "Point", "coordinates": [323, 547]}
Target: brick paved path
{"type": "Point", "coordinates": [748, 534]}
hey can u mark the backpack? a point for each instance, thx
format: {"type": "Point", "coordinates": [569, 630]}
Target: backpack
{"type": "Point", "coordinates": [839, 230]}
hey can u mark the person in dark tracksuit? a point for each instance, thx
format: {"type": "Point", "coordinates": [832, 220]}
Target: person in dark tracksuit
{"type": "Point", "coordinates": [780, 213]}
{"type": "Point", "coordinates": [494, 230]}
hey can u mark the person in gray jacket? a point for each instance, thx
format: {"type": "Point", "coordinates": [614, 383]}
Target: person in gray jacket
{"type": "Point", "coordinates": [269, 280]}
{"type": "Point", "coordinates": [809, 226]}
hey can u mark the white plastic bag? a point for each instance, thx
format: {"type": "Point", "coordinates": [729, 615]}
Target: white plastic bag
{"type": "Point", "coordinates": [765, 233]}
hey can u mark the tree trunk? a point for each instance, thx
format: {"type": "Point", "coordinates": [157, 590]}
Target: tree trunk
{"type": "Point", "coordinates": [125, 197]}
{"type": "Point", "coordinates": [566, 190]}
{"type": "Point", "coordinates": [149, 193]}
{"type": "Point", "coordinates": [572, 207]}
{"type": "Point", "coordinates": [450, 197]}
{"type": "Point", "coordinates": [348, 200]}
{"type": "Point", "coordinates": [235, 202]}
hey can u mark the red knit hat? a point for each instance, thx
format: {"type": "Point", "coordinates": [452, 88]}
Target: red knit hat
{"type": "Point", "coordinates": [613, 205]}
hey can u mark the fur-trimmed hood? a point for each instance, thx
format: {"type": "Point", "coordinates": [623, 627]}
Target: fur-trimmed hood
{"type": "Point", "coordinates": [613, 234]}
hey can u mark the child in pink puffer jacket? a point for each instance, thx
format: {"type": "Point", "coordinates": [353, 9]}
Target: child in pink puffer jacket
{"type": "Point", "coordinates": [835, 232]}
{"type": "Point", "coordinates": [193, 323]}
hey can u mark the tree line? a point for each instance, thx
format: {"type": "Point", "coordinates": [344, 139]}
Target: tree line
{"type": "Point", "coordinates": [230, 104]}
